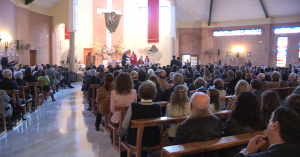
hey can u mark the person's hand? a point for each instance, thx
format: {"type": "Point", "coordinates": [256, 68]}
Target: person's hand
{"type": "Point", "coordinates": [255, 143]}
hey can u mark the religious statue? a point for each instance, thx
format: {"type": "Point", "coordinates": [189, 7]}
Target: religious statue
{"type": "Point", "coordinates": [152, 52]}
{"type": "Point", "coordinates": [112, 21]}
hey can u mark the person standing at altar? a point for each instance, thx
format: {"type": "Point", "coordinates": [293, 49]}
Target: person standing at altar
{"type": "Point", "coordinates": [147, 61]}
{"type": "Point", "coordinates": [140, 61]}
{"type": "Point", "coordinates": [133, 58]}
{"type": "Point", "coordinates": [124, 57]}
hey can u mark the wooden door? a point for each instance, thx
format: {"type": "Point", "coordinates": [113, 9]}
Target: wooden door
{"type": "Point", "coordinates": [33, 57]}
{"type": "Point", "coordinates": [85, 53]}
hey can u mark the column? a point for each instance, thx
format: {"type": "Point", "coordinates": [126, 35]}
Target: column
{"type": "Point", "coordinates": [172, 30]}
{"type": "Point", "coordinates": [72, 29]}
{"type": "Point", "coordinates": [72, 52]}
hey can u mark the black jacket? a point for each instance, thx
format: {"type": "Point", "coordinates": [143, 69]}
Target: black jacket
{"type": "Point", "coordinates": [278, 150]}
{"type": "Point", "coordinates": [92, 80]}
{"type": "Point", "coordinates": [7, 84]}
{"type": "Point", "coordinates": [179, 63]}
{"type": "Point", "coordinates": [173, 62]}
{"type": "Point", "coordinates": [168, 93]}
{"type": "Point", "coordinates": [231, 86]}
{"type": "Point", "coordinates": [150, 134]}
{"type": "Point", "coordinates": [159, 95]}
{"type": "Point", "coordinates": [137, 84]}
{"type": "Point", "coordinates": [32, 78]}
{"type": "Point", "coordinates": [197, 130]}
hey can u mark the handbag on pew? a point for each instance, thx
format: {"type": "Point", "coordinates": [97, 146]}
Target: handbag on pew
{"type": "Point", "coordinates": [163, 137]}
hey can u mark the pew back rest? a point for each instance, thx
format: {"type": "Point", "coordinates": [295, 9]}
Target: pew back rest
{"type": "Point", "coordinates": [205, 146]}
{"type": "Point", "coordinates": [33, 84]}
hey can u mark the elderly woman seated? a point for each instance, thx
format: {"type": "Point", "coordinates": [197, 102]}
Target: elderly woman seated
{"type": "Point", "coordinates": [19, 80]}
{"type": "Point", "coordinates": [142, 110]}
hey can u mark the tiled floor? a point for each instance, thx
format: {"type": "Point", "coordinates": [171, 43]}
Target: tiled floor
{"type": "Point", "coordinates": [58, 129]}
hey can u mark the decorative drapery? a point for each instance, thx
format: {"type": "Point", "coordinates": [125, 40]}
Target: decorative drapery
{"type": "Point", "coordinates": [67, 33]}
{"type": "Point", "coordinates": [153, 21]}
{"type": "Point", "coordinates": [112, 21]}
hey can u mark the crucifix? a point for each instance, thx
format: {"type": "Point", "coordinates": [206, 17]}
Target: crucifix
{"type": "Point", "coordinates": [108, 10]}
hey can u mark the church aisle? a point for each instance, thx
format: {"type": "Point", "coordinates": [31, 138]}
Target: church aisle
{"type": "Point", "coordinates": [58, 129]}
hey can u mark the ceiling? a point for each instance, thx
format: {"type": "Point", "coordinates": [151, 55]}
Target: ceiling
{"type": "Point", "coordinates": [46, 3]}
{"type": "Point", "coordinates": [229, 10]}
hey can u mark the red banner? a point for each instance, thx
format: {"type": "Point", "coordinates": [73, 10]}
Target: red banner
{"type": "Point", "coordinates": [67, 33]}
{"type": "Point", "coordinates": [153, 21]}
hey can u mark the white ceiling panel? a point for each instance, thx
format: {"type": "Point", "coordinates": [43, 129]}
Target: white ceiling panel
{"type": "Point", "coordinates": [46, 3]}
{"type": "Point", "coordinates": [230, 10]}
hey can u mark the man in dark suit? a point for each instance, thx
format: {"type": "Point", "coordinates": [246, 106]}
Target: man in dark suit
{"type": "Point", "coordinates": [124, 57]}
{"type": "Point", "coordinates": [283, 134]}
{"type": "Point", "coordinates": [179, 62]}
{"type": "Point", "coordinates": [232, 83]}
{"type": "Point", "coordinates": [136, 82]}
{"type": "Point", "coordinates": [6, 83]}
{"type": "Point", "coordinates": [173, 61]}
{"type": "Point", "coordinates": [92, 80]}
{"type": "Point", "coordinates": [200, 126]}
{"type": "Point", "coordinates": [177, 80]}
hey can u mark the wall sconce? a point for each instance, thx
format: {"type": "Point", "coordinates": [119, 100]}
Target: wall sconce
{"type": "Point", "coordinates": [11, 46]}
{"type": "Point", "coordinates": [6, 46]}
{"type": "Point", "coordinates": [237, 54]}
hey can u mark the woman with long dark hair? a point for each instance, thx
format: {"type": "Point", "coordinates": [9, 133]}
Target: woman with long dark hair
{"type": "Point", "coordinates": [160, 92]}
{"type": "Point", "coordinates": [102, 92]}
{"type": "Point", "coordinates": [245, 117]}
{"type": "Point", "coordinates": [270, 101]}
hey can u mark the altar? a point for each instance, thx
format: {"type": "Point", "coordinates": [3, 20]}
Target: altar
{"type": "Point", "coordinates": [113, 62]}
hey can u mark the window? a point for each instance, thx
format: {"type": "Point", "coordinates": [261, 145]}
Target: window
{"type": "Point", "coordinates": [237, 32]}
{"type": "Point", "coordinates": [287, 30]}
{"type": "Point", "coordinates": [282, 45]}
{"type": "Point", "coordinates": [143, 20]}
{"type": "Point", "coordinates": [164, 20]}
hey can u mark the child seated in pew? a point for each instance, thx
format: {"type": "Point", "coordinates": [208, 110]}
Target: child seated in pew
{"type": "Point", "coordinates": [214, 100]}
{"type": "Point", "coordinates": [142, 110]}
{"type": "Point", "coordinates": [178, 106]}
{"type": "Point", "coordinates": [46, 83]}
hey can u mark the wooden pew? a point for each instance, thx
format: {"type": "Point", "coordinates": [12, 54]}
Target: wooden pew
{"type": "Point", "coordinates": [44, 94]}
{"type": "Point", "coordinates": [3, 119]}
{"type": "Point", "coordinates": [142, 123]}
{"type": "Point", "coordinates": [36, 95]}
{"type": "Point", "coordinates": [29, 101]}
{"type": "Point", "coordinates": [93, 98]}
{"type": "Point", "coordinates": [283, 92]}
{"type": "Point", "coordinates": [106, 116]}
{"type": "Point", "coordinates": [122, 109]}
{"type": "Point", "coordinates": [205, 146]}
{"type": "Point", "coordinates": [15, 96]}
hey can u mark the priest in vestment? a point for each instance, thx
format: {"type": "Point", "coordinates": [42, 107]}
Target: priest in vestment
{"type": "Point", "coordinates": [147, 61]}
{"type": "Point", "coordinates": [133, 58]}
{"type": "Point", "coordinates": [140, 61]}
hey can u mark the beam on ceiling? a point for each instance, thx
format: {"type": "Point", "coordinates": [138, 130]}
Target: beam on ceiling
{"type": "Point", "coordinates": [264, 8]}
{"type": "Point", "coordinates": [210, 10]}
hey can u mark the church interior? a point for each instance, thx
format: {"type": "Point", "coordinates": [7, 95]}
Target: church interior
{"type": "Point", "coordinates": [207, 36]}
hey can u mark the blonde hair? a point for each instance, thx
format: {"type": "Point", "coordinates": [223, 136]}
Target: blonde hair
{"type": "Point", "coordinates": [242, 85]}
{"type": "Point", "coordinates": [179, 97]}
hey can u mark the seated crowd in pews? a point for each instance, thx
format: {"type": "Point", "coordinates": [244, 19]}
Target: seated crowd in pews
{"type": "Point", "coordinates": [31, 84]}
{"type": "Point", "coordinates": [252, 95]}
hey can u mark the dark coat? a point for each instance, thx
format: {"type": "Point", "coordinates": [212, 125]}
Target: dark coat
{"type": "Point", "coordinates": [179, 63]}
{"type": "Point", "coordinates": [159, 95]}
{"type": "Point", "coordinates": [137, 84]}
{"type": "Point", "coordinates": [31, 78]}
{"type": "Point", "coordinates": [211, 82]}
{"type": "Point", "coordinates": [7, 84]}
{"type": "Point", "coordinates": [168, 93]}
{"type": "Point", "coordinates": [294, 83]}
{"type": "Point", "coordinates": [258, 94]}
{"type": "Point", "coordinates": [278, 150]}
{"type": "Point", "coordinates": [199, 129]}
{"type": "Point", "coordinates": [92, 80]}
{"type": "Point", "coordinates": [173, 62]}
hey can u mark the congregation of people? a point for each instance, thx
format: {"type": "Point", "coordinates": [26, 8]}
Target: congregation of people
{"type": "Point", "coordinates": [196, 92]}
{"type": "Point", "coordinates": [11, 79]}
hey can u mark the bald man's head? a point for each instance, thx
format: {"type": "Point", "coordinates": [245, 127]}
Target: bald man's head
{"type": "Point", "coordinates": [199, 101]}
{"type": "Point", "coordinates": [162, 74]}
{"type": "Point", "coordinates": [134, 75]}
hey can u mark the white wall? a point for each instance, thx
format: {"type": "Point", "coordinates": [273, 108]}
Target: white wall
{"type": "Point", "coordinates": [83, 36]}
{"type": "Point", "coordinates": [134, 41]}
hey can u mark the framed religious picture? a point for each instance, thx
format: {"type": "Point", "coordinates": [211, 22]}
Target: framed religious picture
{"type": "Point", "coordinates": [224, 60]}
{"type": "Point", "coordinates": [17, 56]}
{"type": "Point", "coordinates": [1, 54]}
{"type": "Point", "coordinates": [216, 59]}
{"type": "Point", "coordinates": [248, 54]}
{"type": "Point", "coordinates": [232, 59]}
{"type": "Point", "coordinates": [228, 53]}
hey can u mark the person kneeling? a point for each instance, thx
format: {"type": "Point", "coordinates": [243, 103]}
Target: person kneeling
{"type": "Point", "coordinates": [142, 110]}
